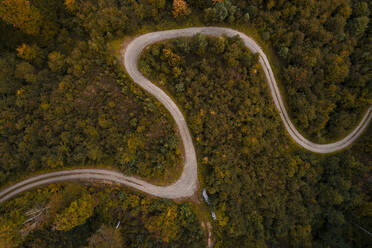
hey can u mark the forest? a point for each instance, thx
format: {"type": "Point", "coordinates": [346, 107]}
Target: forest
{"type": "Point", "coordinates": [74, 215]}
{"type": "Point", "coordinates": [263, 188]}
{"type": "Point", "coordinates": [322, 50]}
{"type": "Point", "coordinates": [67, 102]}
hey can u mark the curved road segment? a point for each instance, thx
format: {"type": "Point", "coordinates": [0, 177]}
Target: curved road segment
{"type": "Point", "coordinates": [187, 184]}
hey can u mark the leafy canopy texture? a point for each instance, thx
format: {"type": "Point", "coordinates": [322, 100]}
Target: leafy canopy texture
{"type": "Point", "coordinates": [180, 8]}
{"type": "Point", "coordinates": [21, 14]}
{"type": "Point", "coordinates": [76, 214]}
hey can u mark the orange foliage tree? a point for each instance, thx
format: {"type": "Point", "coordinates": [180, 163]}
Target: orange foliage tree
{"type": "Point", "coordinates": [180, 8]}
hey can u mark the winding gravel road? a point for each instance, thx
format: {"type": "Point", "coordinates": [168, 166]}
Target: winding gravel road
{"type": "Point", "coordinates": [187, 184]}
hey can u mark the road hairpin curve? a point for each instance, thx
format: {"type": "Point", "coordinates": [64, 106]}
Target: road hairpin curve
{"type": "Point", "coordinates": [187, 184]}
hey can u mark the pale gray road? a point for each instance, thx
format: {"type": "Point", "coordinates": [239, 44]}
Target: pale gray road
{"type": "Point", "coordinates": [187, 184]}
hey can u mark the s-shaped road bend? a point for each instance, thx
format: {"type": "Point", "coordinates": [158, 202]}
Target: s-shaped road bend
{"type": "Point", "coordinates": [187, 184]}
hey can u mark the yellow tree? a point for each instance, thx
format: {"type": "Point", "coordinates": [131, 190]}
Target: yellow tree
{"type": "Point", "coordinates": [10, 225]}
{"type": "Point", "coordinates": [71, 5]}
{"type": "Point", "coordinates": [76, 214]}
{"type": "Point", "coordinates": [180, 8]}
{"type": "Point", "coordinates": [21, 14]}
{"type": "Point", "coordinates": [173, 59]}
{"type": "Point", "coordinates": [28, 52]}
{"type": "Point", "coordinates": [164, 224]}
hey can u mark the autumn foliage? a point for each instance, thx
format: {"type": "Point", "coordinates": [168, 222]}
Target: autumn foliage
{"type": "Point", "coordinates": [76, 214]}
{"type": "Point", "coordinates": [21, 14]}
{"type": "Point", "coordinates": [70, 4]}
{"type": "Point", "coordinates": [180, 8]}
{"type": "Point", "coordinates": [164, 225]}
{"type": "Point", "coordinates": [27, 52]}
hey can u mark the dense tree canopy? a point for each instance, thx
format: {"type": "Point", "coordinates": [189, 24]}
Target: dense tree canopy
{"type": "Point", "coordinates": [94, 223]}
{"type": "Point", "coordinates": [69, 104]}
{"type": "Point", "coordinates": [65, 101]}
{"type": "Point", "coordinates": [264, 190]}
{"type": "Point", "coordinates": [21, 14]}
{"type": "Point", "coordinates": [320, 44]}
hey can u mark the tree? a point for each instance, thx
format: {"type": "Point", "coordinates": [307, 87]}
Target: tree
{"type": "Point", "coordinates": [56, 61]}
{"type": "Point", "coordinates": [27, 52]}
{"type": "Point", "coordinates": [7, 236]}
{"type": "Point", "coordinates": [361, 9]}
{"type": "Point", "coordinates": [218, 45]}
{"type": "Point", "coordinates": [173, 59]}
{"type": "Point", "coordinates": [252, 10]}
{"type": "Point", "coordinates": [106, 237]}
{"type": "Point", "coordinates": [337, 70]}
{"type": "Point", "coordinates": [25, 71]}
{"type": "Point", "coordinates": [246, 17]}
{"type": "Point", "coordinates": [265, 36]}
{"type": "Point", "coordinates": [359, 25]}
{"type": "Point", "coordinates": [8, 83]}
{"type": "Point", "coordinates": [31, 53]}
{"type": "Point", "coordinates": [180, 8]}
{"type": "Point", "coordinates": [165, 224]}
{"type": "Point", "coordinates": [199, 44]}
{"type": "Point", "coordinates": [283, 52]}
{"type": "Point", "coordinates": [71, 5]}
{"type": "Point", "coordinates": [21, 14]}
{"type": "Point", "coordinates": [221, 11]}
{"type": "Point", "coordinates": [10, 224]}
{"type": "Point", "coordinates": [76, 214]}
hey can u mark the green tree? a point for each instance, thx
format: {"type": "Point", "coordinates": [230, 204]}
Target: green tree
{"type": "Point", "coordinates": [359, 25]}
{"type": "Point", "coordinates": [283, 52]}
{"type": "Point", "coordinates": [56, 61]}
{"type": "Point", "coordinates": [199, 44]}
{"type": "Point", "coordinates": [25, 71]}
